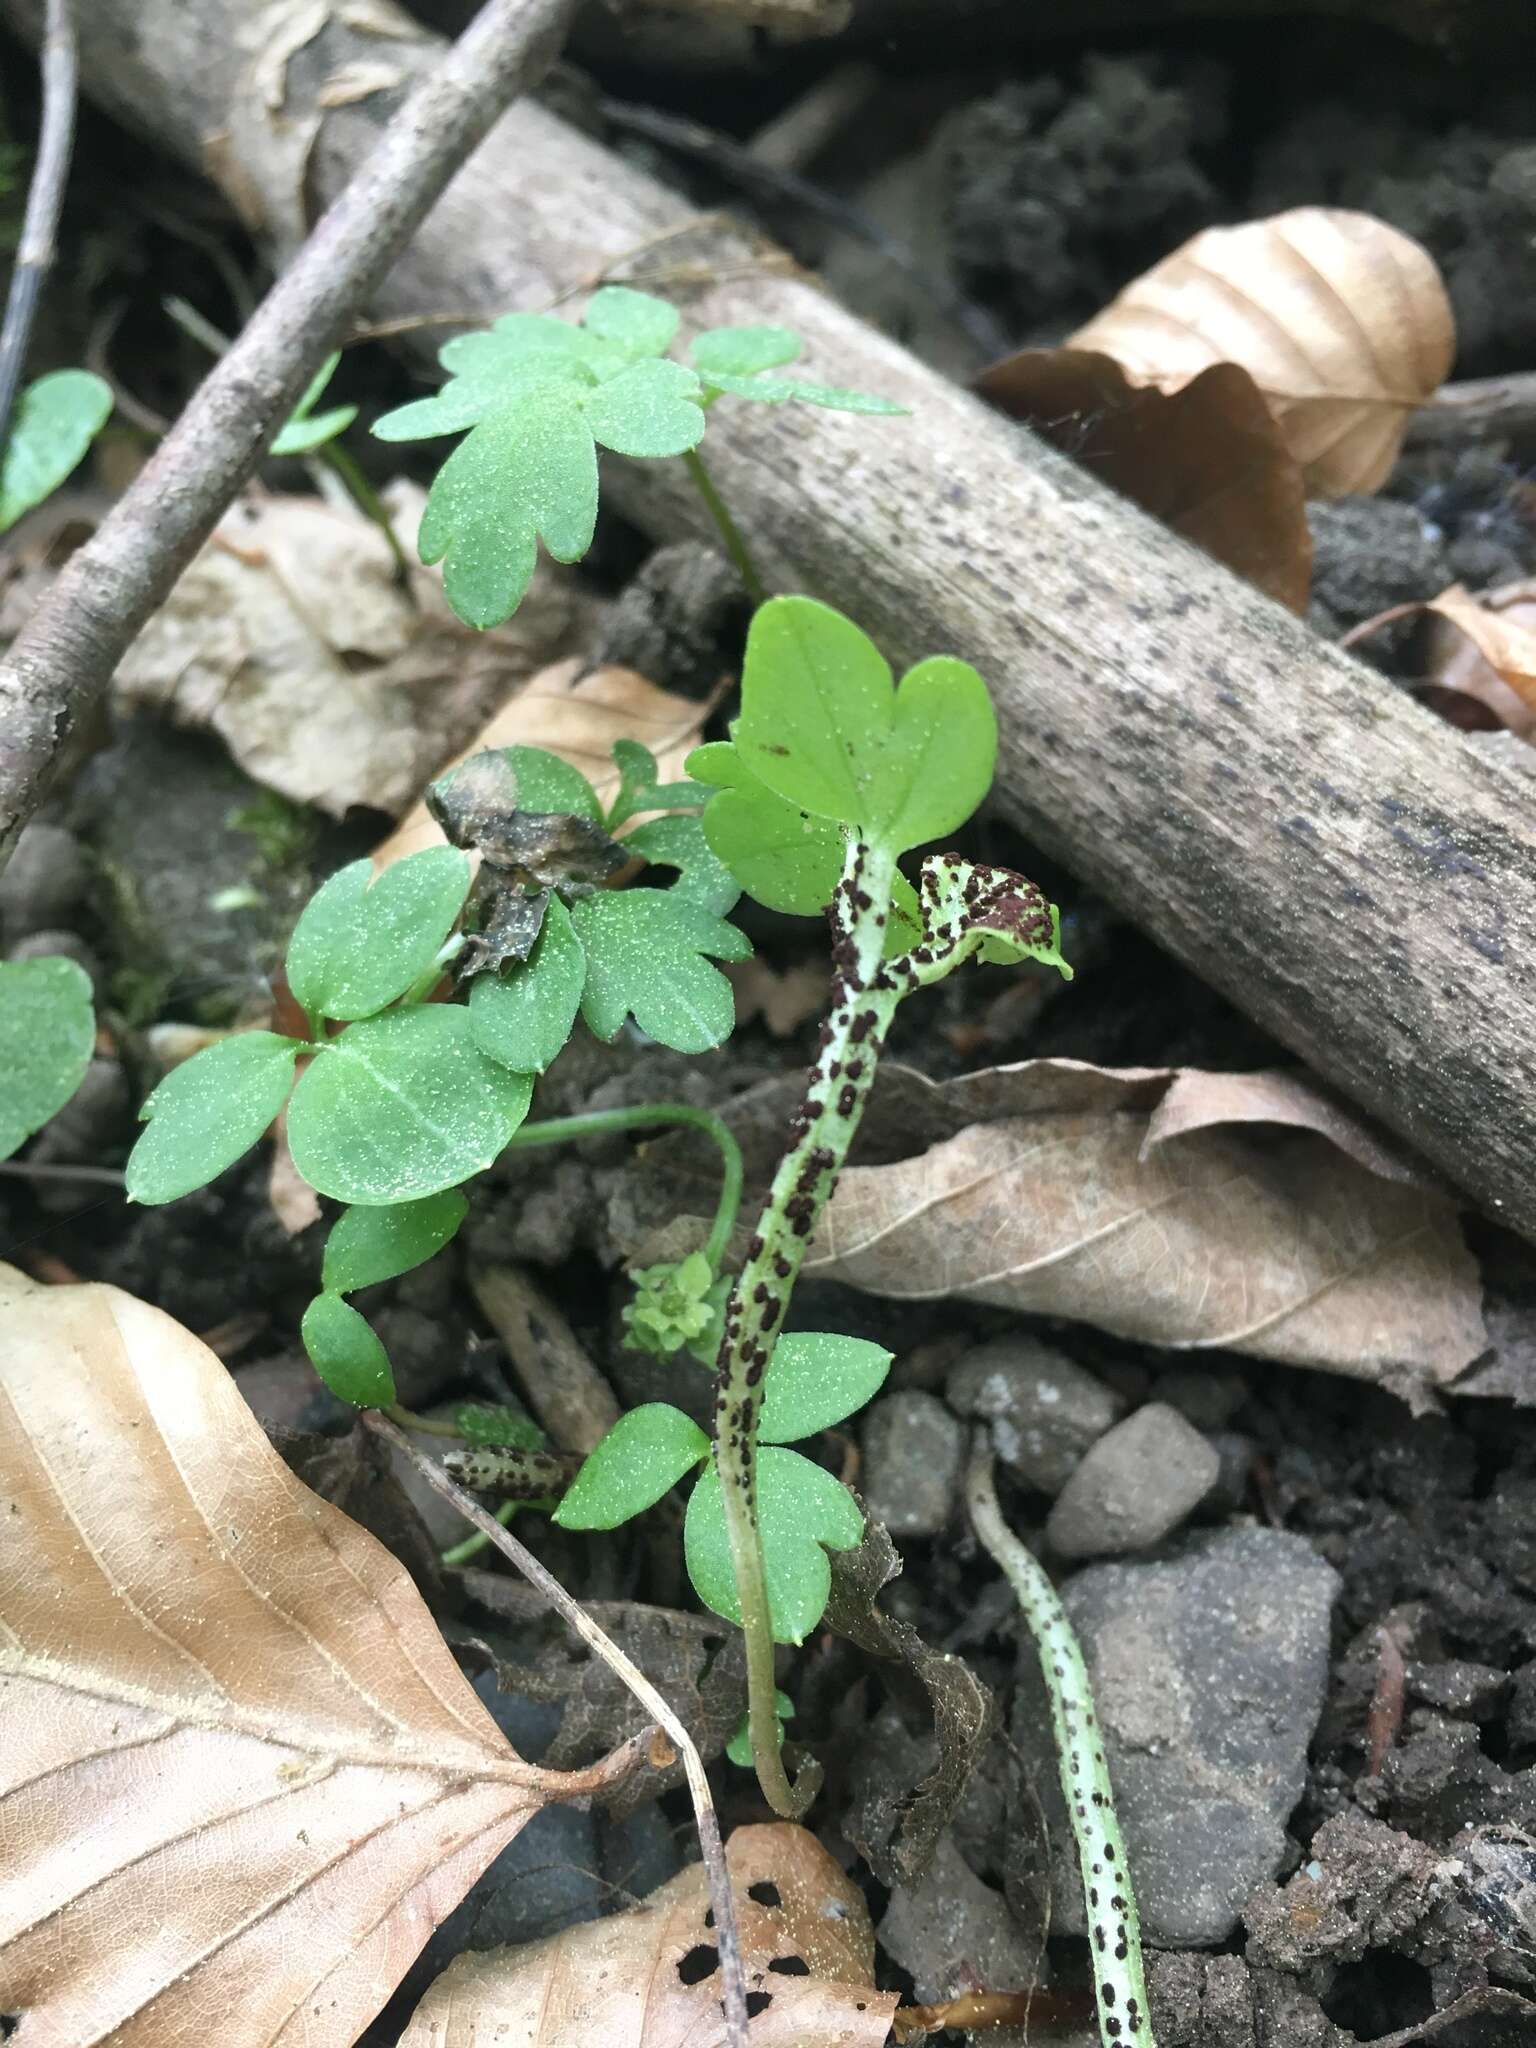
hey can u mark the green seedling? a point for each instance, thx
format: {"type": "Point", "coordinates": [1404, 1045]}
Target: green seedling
{"type": "Point", "coordinates": [57, 418]}
{"type": "Point", "coordinates": [305, 429]}
{"type": "Point", "coordinates": [536, 397]}
{"type": "Point", "coordinates": [47, 1035]}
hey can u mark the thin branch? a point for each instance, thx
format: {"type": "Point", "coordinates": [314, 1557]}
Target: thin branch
{"type": "Point", "coordinates": [45, 196]}
{"type": "Point", "coordinates": [732, 1976]}
{"type": "Point", "coordinates": [60, 664]}
{"type": "Point", "coordinates": [1478, 409]}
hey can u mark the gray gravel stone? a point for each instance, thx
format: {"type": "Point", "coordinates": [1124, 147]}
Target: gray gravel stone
{"type": "Point", "coordinates": [44, 880]}
{"type": "Point", "coordinates": [912, 1452]}
{"type": "Point", "coordinates": [1135, 1485]}
{"type": "Point", "coordinates": [1045, 1411]}
{"type": "Point", "coordinates": [1209, 1670]}
{"type": "Point", "coordinates": [952, 1932]}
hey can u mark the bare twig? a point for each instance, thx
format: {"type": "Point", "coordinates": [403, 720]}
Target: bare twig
{"type": "Point", "coordinates": [60, 664]}
{"type": "Point", "coordinates": [45, 195]}
{"type": "Point", "coordinates": [1480, 409]}
{"type": "Point", "coordinates": [732, 1977]}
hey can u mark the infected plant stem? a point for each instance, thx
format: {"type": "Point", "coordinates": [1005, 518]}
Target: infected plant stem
{"type": "Point", "coordinates": [1118, 1983]}
{"type": "Point", "coordinates": [821, 1130]}
{"type": "Point", "coordinates": [712, 1849]}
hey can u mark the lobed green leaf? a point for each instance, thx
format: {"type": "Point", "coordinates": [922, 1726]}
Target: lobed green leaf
{"type": "Point", "coordinates": [742, 351]}
{"type": "Point", "coordinates": [642, 1457]}
{"type": "Point", "coordinates": [633, 321]}
{"type": "Point", "coordinates": [47, 1036]}
{"type": "Point", "coordinates": [369, 1245]}
{"type": "Point", "coordinates": [363, 938]}
{"type": "Point", "coordinates": [306, 429]}
{"type": "Point", "coordinates": [816, 1380]}
{"type": "Point", "coordinates": [402, 1106]}
{"type": "Point", "coordinates": [802, 1513]}
{"type": "Point", "coordinates": [346, 1352]}
{"type": "Point", "coordinates": [680, 842]}
{"type": "Point", "coordinates": [645, 953]}
{"type": "Point", "coordinates": [523, 1018]}
{"type": "Point", "coordinates": [57, 417]}
{"type": "Point", "coordinates": [498, 1427]}
{"type": "Point", "coordinates": [209, 1110]}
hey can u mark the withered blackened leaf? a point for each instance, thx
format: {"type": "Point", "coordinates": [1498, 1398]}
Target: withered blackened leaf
{"type": "Point", "coordinates": [509, 921]}
{"type": "Point", "coordinates": [477, 807]}
{"type": "Point", "coordinates": [900, 1839]}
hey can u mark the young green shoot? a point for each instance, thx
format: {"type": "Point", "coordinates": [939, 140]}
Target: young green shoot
{"type": "Point", "coordinates": [536, 397]}
{"type": "Point", "coordinates": [57, 418]}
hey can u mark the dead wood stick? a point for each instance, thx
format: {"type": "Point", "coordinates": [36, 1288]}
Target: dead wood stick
{"type": "Point", "coordinates": [733, 1981]}
{"type": "Point", "coordinates": [64, 657]}
{"type": "Point", "coordinates": [1350, 871]}
{"type": "Point", "coordinates": [1478, 409]}
{"type": "Point", "coordinates": [565, 1390]}
{"type": "Point", "coordinates": [45, 196]}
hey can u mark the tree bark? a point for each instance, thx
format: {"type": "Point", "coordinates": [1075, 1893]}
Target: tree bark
{"type": "Point", "coordinates": [1354, 874]}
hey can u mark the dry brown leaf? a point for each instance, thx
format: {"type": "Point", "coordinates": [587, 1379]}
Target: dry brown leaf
{"type": "Point", "coordinates": [1208, 459]}
{"type": "Point", "coordinates": [289, 637]}
{"type": "Point", "coordinates": [576, 713]}
{"type": "Point", "coordinates": [784, 1000]}
{"type": "Point", "coordinates": [1172, 1208]}
{"type": "Point", "coordinates": [1485, 647]}
{"type": "Point", "coordinates": [1328, 328]}
{"type": "Point", "coordinates": [242, 1777]}
{"type": "Point", "coordinates": [617, 1983]}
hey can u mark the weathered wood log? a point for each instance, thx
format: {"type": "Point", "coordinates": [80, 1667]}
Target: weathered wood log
{"type": "Point", "coordinates": [1352, 872]}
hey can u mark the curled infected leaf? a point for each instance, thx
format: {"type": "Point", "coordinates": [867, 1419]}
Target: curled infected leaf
{"type": "Point", "coordinates": [242, 1775]}
{"type": "Point", "coordinates": [649, 1978]}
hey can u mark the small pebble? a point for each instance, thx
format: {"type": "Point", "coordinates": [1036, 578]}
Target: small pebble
{"type": "Point", "coordinates": [1137, 1483]}
{"type": "Point", "coordinates": [43, 882]}
{"type": "Point", "coordinates": [1207, 1399]}
{"type": "Point", "coordinates": [912, 1452]}
{"type": "Point", "coordinates": [47, 944]}
{"type": "Point", "coordinates": [1045, 1411]}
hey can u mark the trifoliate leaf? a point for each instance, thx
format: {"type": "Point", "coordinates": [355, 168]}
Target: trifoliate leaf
{"type": "Point", "coordinates": [527, 472]}
{"type": "Point", "coordinates": [786, 858]}
{"type": "Point", "coordinates": [650, 409]}
{"type": "Point", "coordinates": [519, 337]}
{"type": "Point", "coordinates": [679, 842]}
{"type": "Point", "coordinates": [346, 1352]}
{"type": "Point", "coordinates": [639, 789]}
{"type": "Point", "coordinates": [56, 419]}
{"type": "Point", "coordinates": [739, 1748]}
{"type": "Point", "coordinates": [365, 937]}
{"type": "Point", "coordinates": [814, 1381]}
{"type": "Point", "coordinates": [47, 1036]}
{"type": "Point", "coordinates": [369, 1245]}
{"type": "Point", "coordinates": [504, 375]}
{"type": "Point", "coordinates": [523, 1018]}
{"type": "Point", "coordinates": [402, 1106]}
{"type": "Point", "coordinates": [823, 727]}
{"type": "Point", "coordinates": [800, 1509]}
{"type": "Point", "coordinates": [634, 321]}
{"type": "Point", "coordinates": [306, 429]}
{"type": "Point", "coordinates": [208, 1111]}
{"type": "Point", "coordinates": [645, 951]}
{"type": "Point", "coordinates": [644, 1454]}
{"type": "Point", "coordinates": [743, 351]}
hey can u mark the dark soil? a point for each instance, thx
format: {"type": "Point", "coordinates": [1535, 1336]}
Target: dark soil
{"type": "Point", "coordinates": [1033, 194]}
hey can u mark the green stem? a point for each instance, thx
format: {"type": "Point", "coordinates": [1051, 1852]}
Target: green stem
{"type": "Point", "coordinates": [729, 531]}
{"type": "Point", "coordinates": [599, 1123]}
{"type": "Point", "coordinates": [461, 1553]}
{"type": "Point", "coordinates": [1118, 1981]}
{"type": "Point", "coordinates": [344, 465]}
{"type": "Point", "coordinates": [862, 1003]}
{"type": "Point", "coordinates": [409, 1419]}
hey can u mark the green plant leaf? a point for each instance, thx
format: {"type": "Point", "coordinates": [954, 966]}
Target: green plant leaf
{"type": "Point", "coordinates": [346, 1352]}
{"type": "Point", "coordinates": [47, 1036]}
{"type": "Point", "coordinates": [650, 409]}
{"type": "Point", "coordinates": [816, 1380]}
{"type": "Point", "coordinates": [739, 1748]}
{"type": "Point", "coordinates": [523, 1018]}
{"type": "Point", "coordinates": [503, 376]}
{"type": "Point", "coordinates": [743, 351]}
{"type": "Point", "coordinates": [644, 1454]}
{"type": "Point", "coordinates": [364, 938]}
{"type": "Point", "coordinates": [634, 321]}
{"type": "Point", "coordinates": [546, 783]}
{"type": "Point", "coordinates": [57, 417]}
{"type": "Point", "coordinates": [786, 858]}
{"type": "Point", "coordinates": [541, 337]}
{"type": "Point", "coordinates": [525, 473]}
{"type": "Point", "coordinates": [639, 789]}
{"type": "Point", "coordinates": [498, 1427]}
{"type": "Point", "coordinates": [368, 1245]}
{"type": "Point", "coordinates": [306, 429]}
{"type": "Point", "coordinates": [800, 1509]}
{"type": "Point", "coordinates": [822, 726]}
{"type": "Point", "coordinates": [645, 951]}
{"type": "Point", "coordinates": [209, 1110]}
{"type": "Point", "coordinates": [680, 842]}
{"type": "Point", "coordinates": [401, 1106]}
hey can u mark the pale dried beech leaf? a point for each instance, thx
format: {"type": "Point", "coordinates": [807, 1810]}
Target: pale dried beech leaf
{"type": "Point", "coordinates": [241, 1777]}
{"type": "Point", "coordinates": [289, 637]}
{"type": "Point", "coordinates": [1172, 1207]}
{"type": "Point", "coordinates": [1343, 322]}
{"type": "Point", "coordinates": [1486, 648]}
{"type": "Point", "coordinates": [1207, 459]}
{"type": "Point", "coordinates": [807, 1945]}
{"type": "Point", "coordinates": [577, 713]}
{"type": "Point", "coordinates": [784, 1000]}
